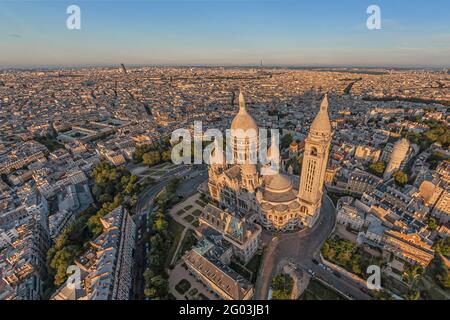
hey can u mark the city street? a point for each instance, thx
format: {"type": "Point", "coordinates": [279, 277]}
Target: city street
{"type": "Point", "coordinates": [144, 207]}
{"type": "Point", "coordinates": [300, 248]}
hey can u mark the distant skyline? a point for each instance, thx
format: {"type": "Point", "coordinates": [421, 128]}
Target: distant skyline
{"type": "Point", "coordinates": [415, 33]}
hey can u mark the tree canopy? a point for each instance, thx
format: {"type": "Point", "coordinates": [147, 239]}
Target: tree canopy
{"type": "Point", "coordinates": [400, 178]}
{"type": "Point", "coordinates": [286, 141]}
{"type": "Point", "coordinates": [282, 286]}
{"type": "Point", "coordinates": [377, 168]}
{"type": "Point", "coordinates": [114, 186]}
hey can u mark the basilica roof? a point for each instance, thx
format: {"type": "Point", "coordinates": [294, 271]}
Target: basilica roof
{"type": "Point", "coordinates": [234, 172]}
{"type": "Point", "coordinates": [248, 169]}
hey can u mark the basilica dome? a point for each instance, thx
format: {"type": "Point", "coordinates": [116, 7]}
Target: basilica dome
{"type": "Point", "coordinates": [243, 120]}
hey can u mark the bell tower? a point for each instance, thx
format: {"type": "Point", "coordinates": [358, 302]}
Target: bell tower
{"type": "Point", "coordinates": [315, 161]}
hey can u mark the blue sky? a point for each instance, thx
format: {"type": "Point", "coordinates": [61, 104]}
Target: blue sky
{"type": "Point", "coordinates": [225, 32]}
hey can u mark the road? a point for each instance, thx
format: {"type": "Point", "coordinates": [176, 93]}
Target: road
{"type": "Point", "coordinates": [301, 248]}
{"type": "Point", "coordinates": [189, 186]}
{"type": "Point", "coordinates": [146, 199]}
{"type": "Point", "coordinates": [144, 207]}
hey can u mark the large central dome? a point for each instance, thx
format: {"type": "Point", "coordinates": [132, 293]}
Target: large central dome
{"type": "Point", "coordinates": [243, 120]}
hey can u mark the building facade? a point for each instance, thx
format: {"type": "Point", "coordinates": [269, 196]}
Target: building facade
{"type": "Point", "coordinates": [397, 157]}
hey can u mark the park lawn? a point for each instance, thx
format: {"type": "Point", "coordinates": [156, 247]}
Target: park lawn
{"type": "Point", "coordinates": [200, 203]}
{"type": "Point", "coordinates": [253, 265]}
{"type": "Point", "coordinates": [318, 291]}
{"type": "Point", "coordinates": [201, 296]}
{"type": "Point", "coordinates": [183, 286]}
{"type": "Point", "coordinates": [348, 255]}
{"type": "Point", "coordinates": [428, 285]}
{"type": "Point", "coordinates": [247, 274]}
{"type": "Point", "coordinates": [197, 212]}
{"type": "Point", "coordinates": [187, 243]}
{"type": "Point", "coordinates": [175, 230]}
{"type": "Point", "coordinates": [193, 292]}
{"type": "Point", "coordinates": [282, 285]}
{"type": "Point", "coordinates": [195, 223]}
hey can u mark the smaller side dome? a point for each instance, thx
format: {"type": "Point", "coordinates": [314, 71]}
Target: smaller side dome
{"type": "Point", "coordinates": [279, 183]}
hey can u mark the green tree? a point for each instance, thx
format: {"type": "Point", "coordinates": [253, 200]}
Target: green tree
{"type": "Point", "coordinates": [442, 274]}
{"type": "Point", "coordinates": [166, 155]}
{"type": "Point", "coordinates": [150, 292]}
{"type": "Point", "coordinates": [400, 178]}
{"type": "Point", "coordinates": [286, 141]}
{"type": "Point", "coordinates": [442, 246]}
{"type": "Point", "coordinates": [432, 223]}
{"type": "Point", "coordinates": [377, 168]}
{"type": "Point", "coordinates": [382, 295]}
{"type": "Point", "coordinates": [282, 286]}
{"type": "Point", "coordinates": [160, 225]}
{"type": "Point", "coordinates": [412, 295]}
{"type": "Point", "coordinates": [148, 275]}
{"type": "Point", "coordinates": [151, 158]}
{"type": "Point", "coordinates": [105, 198]}
{"type": "Point", "coordinates": [435, 159]}
{"type": "Point", "coordinates": [411, 273]}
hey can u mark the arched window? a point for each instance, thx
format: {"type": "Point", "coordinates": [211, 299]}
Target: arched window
{"type": "Point", "coordinates": [313, 151]}
{"type": "Point", "coordinates": [304, 209]}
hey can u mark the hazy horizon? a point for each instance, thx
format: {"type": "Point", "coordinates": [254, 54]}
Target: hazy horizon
{"type": "Point", "coordinates": [414, 34]}
{"type": "Point", "coordinates": [256, 66]}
